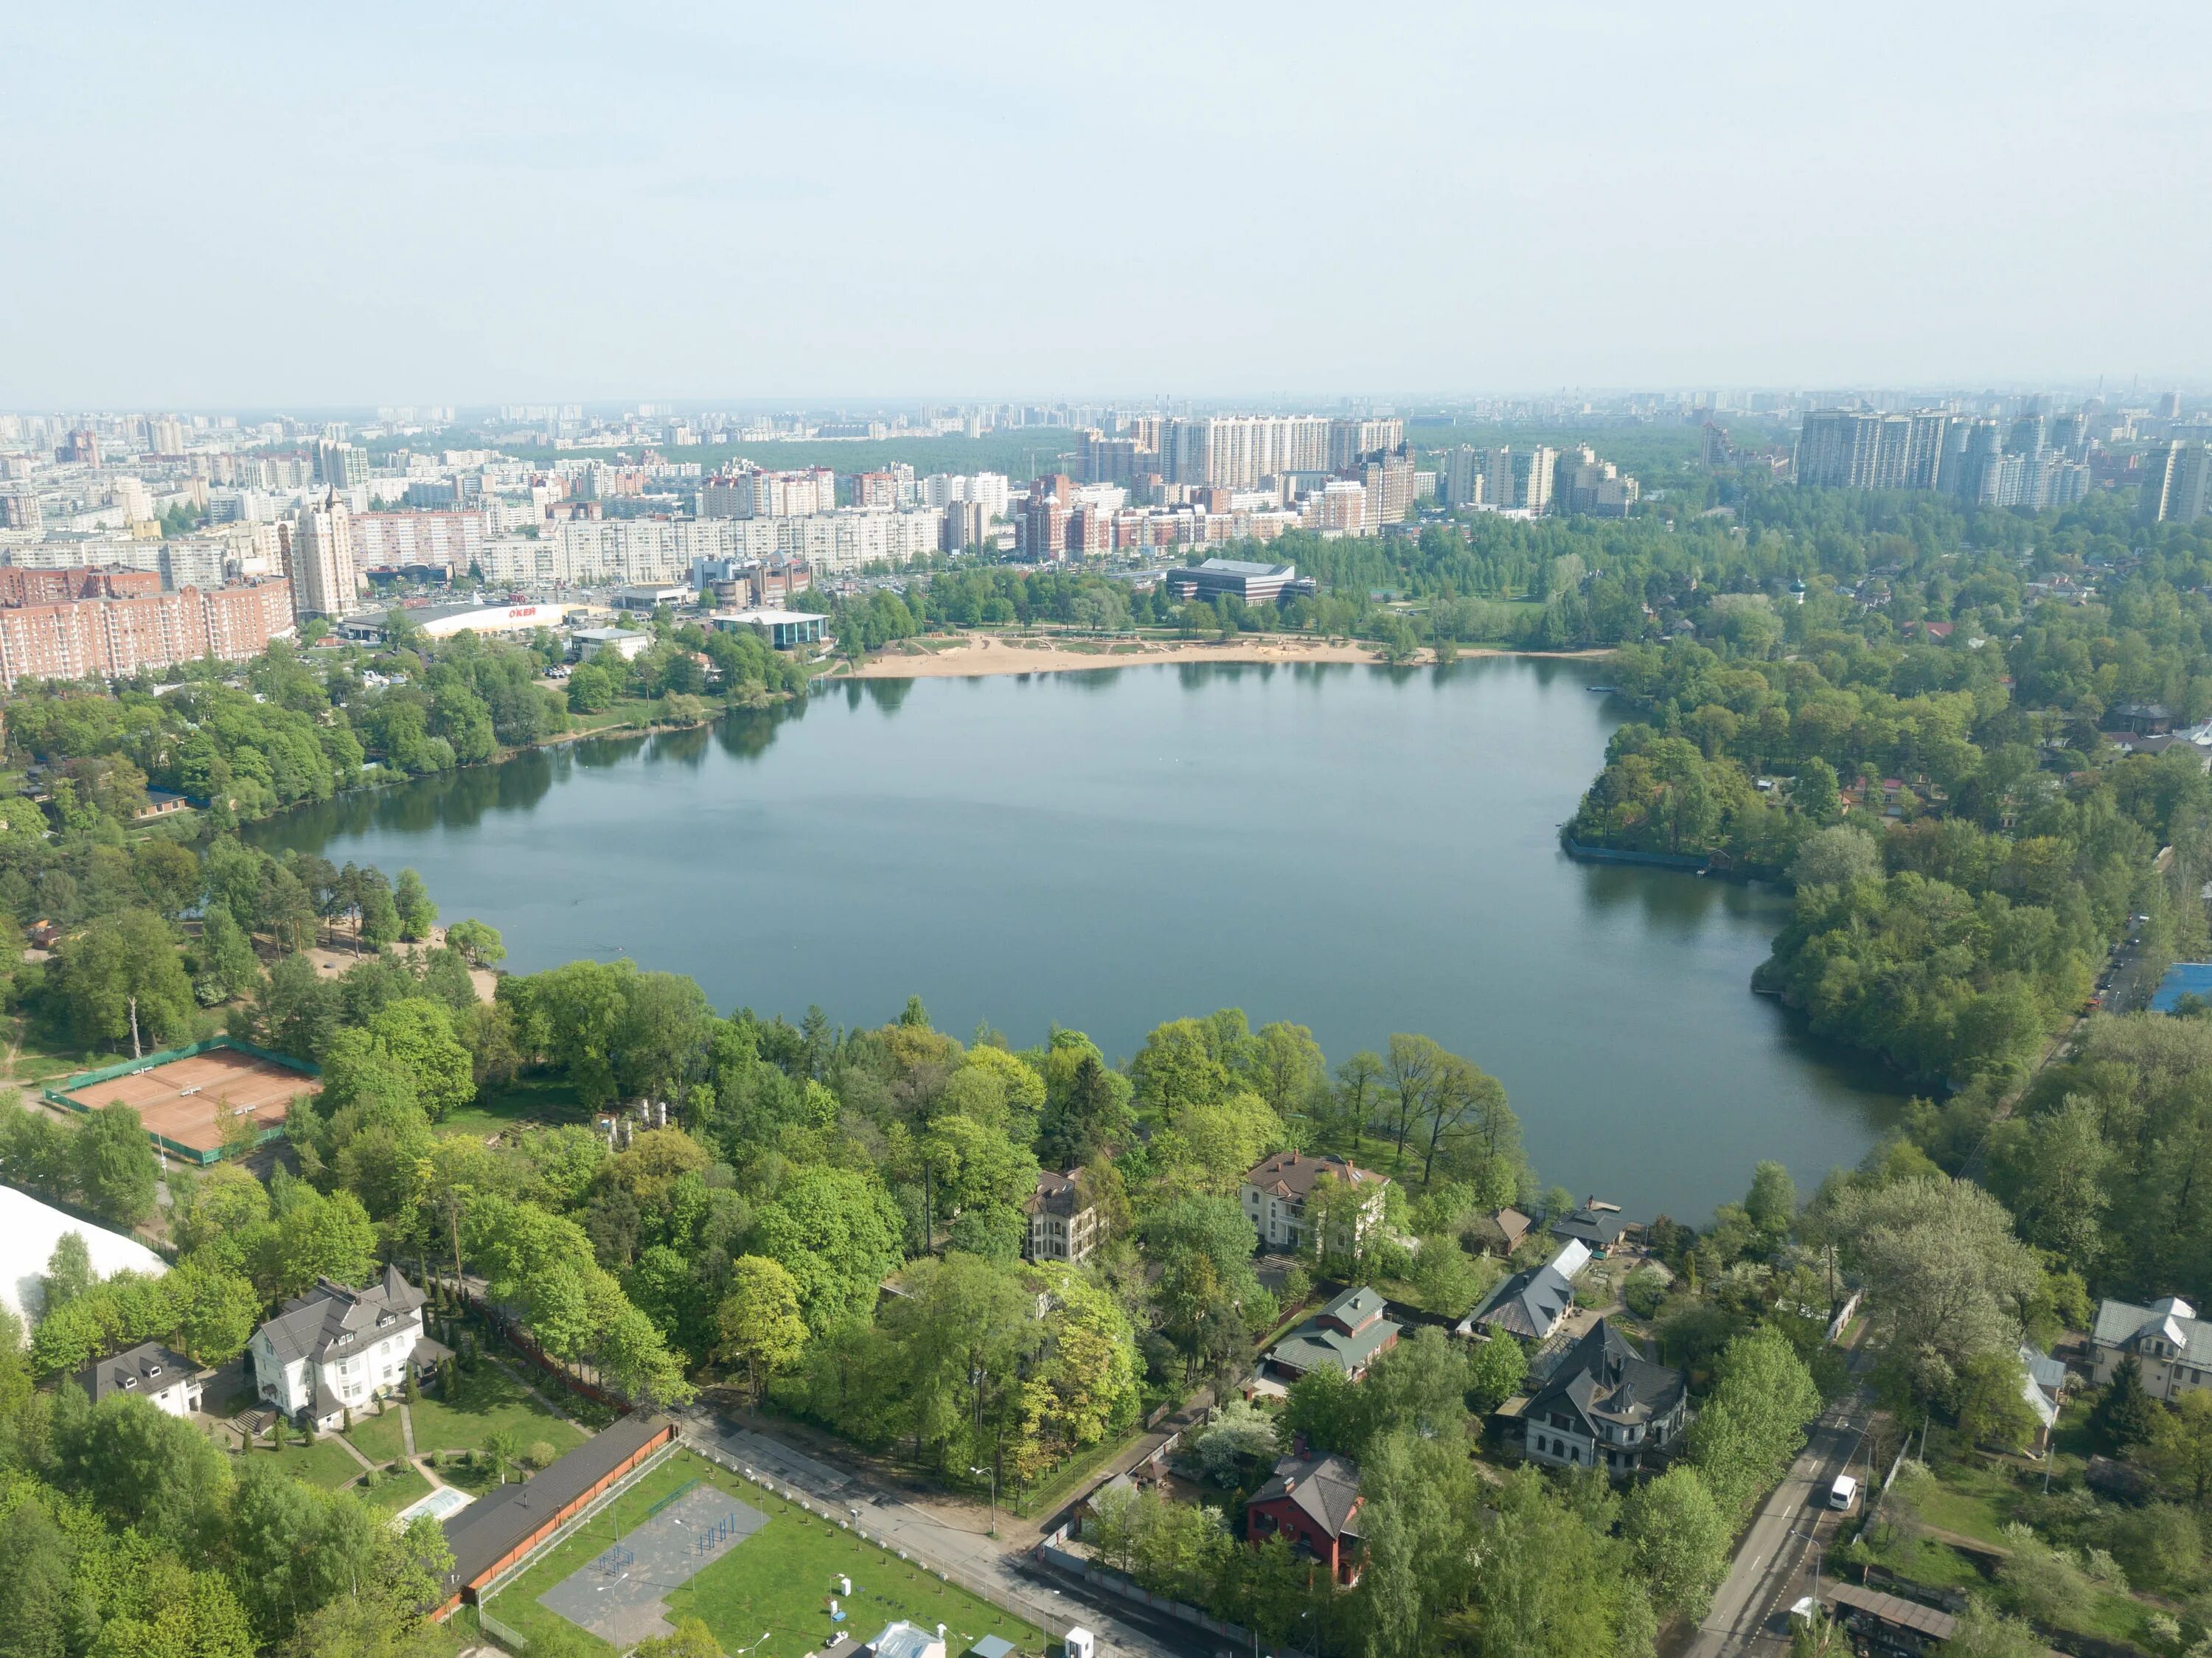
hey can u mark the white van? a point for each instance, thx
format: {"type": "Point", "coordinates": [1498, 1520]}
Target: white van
{"type": "Point", "coordinates": [1844, 1492]}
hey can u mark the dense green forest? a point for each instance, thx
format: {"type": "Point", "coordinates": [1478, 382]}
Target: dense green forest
{"type": "Point", "coordinates": [298, 724]}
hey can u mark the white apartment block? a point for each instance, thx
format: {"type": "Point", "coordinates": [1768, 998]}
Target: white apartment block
{"type": "Point", "coordinates": [638, 551]}
{"type": "Point", "coordinates": [455, 540]}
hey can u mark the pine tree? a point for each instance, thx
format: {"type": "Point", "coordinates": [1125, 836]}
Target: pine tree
{"type": "Point", "coordinates": [2126, 1416]}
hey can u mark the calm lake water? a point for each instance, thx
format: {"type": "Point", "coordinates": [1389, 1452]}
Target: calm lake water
{"type": "Point", "coordinates": [1357, 849]}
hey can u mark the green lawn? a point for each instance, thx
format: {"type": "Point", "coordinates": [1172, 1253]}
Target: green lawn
{"type": "Point", "coordinates": [1973, 1499]}
{"type": "Point", "coordinates": [547, 1101]}
{"type": "Point", "coordinates": [488, 1399]}
{"type": "Point", "coordinates": [394, 1491]}
{"type": "Point", "coordinates": [380, 1437]}
{"type": "Point", "coordinates": [325, 1463]}
{"type": "Point", "coordinates": [777, 1580]}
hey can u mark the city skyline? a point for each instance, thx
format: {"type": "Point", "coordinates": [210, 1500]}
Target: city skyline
{"type": "Point", "coordinates": [334, 210]}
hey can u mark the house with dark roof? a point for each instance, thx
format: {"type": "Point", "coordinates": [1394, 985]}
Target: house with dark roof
{"type": "Point", "coordinates": [149, 1371]}
{"type": "Point", "coordinates": [1598, 1224]}
{"type": "Point", "coordinates": [1276, 1189]}
{"type": "Point", "coordinates": [1313, 1502]}
{"type": "Point", "coordinates": [1605, 1405]}
{"type": "Point", "coordinates": [1530, 1305]}
{"type": "Point", "coordinates": [1063, 1220]}
{"type": "Point", "coordinates": [2166, 1340]}
{"type": "Point", "coordinates": [337, 1348]}
{"type": "Point", "coordinates": [1348, 1335]}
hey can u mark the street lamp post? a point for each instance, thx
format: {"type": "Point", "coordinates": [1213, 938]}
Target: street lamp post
{"type": "Point", "coordinates": [993, 1474]}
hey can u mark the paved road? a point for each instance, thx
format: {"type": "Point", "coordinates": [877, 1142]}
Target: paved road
{"type": "Point", "coordinates": [1010, 1577]}
{"type": "Point", "coordinates": [1771, 1570]}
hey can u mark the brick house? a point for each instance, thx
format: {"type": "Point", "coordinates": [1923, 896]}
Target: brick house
{"type": "Point", "coordinates": [1313, 1502]}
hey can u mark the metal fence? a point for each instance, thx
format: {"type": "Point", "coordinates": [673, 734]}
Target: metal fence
{"type": "Point", "coordinates": [513, 1639]}
{"type": "Point", "coordinates": [574, 1522]}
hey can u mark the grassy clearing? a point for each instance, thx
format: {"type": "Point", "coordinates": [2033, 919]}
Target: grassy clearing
{"type": "Point", "coordinates": [778, 1580]}
{"type": "Point", "coordinates": [547, 1101]}
{"type": "Point", "coordinates": [486, 1400]}
{"type": "Point", "coordinates": [1971, 1498]}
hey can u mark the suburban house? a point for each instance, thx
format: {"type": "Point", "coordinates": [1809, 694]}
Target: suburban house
{"type": "Point", "coordinates": [2044, 1390]}
{"type": "Point", "coordinates": [1276, 1189]}
{"type": "Point", "coordinates": [335, 1348]}
{"type": "Point", "coordinates": [149, 1370]}
{"type": "Point", "coordinates": [1314, 1501]}
{"type": "Point", "coordinates": [1063, 1221]}
{"type": "Point", "coordinates": [1598, 1224]}
{"type": "Point", "coordinates": [2167, 1339]}
{"type": "Point", "coordinates": [1605, 1405]}
{"type": "Point", "coordinates": [1346, 1335]}
{"type": "Point", "coordinates": [1501, 1232]}
{"type": "Point", "coordinates": [1530, 1305]}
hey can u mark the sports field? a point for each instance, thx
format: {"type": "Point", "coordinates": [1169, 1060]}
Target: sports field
{"type": "Point", "coordinates": [777, 1580]}
{"type": "Point", "coordinates": [183, 1100]}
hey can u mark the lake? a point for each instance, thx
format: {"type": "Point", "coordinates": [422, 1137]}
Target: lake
{"type": "Point", "coordinates": [1358, 849]}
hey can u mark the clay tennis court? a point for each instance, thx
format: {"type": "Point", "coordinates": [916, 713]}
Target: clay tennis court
{"type": "Point", "coordinates": [178, 1099]}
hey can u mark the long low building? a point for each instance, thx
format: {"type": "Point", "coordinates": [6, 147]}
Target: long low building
{"type": "Point", "coordinates": [502, 1529]}
{"type": "Point", "coordinates": [444, 621]}
{"type": "Point", "coordinates": [781, 628]}
{"type": "Point", "coordinates": [1255, 584]}
{"type": "Point", "coordinates": [640, 551]}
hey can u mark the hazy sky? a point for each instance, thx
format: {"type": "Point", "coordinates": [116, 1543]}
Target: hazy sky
{"type": "Point", "coordinates": [215, 205]}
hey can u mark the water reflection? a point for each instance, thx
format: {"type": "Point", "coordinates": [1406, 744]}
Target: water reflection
{"type": "Point", "coordinates": [1392, 861]}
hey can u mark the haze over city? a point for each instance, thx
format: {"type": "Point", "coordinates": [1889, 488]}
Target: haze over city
{"type": "Point", "coordinates": [235, 208]}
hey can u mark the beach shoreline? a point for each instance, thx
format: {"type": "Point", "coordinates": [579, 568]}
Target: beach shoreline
{"type": "Point", "coordinates": [978, 655]}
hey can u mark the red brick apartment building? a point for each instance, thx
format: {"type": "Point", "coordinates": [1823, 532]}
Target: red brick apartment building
{"type": "Point", "coordinates": [75, 624]}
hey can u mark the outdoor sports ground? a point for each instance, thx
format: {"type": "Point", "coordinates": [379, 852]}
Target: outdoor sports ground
{"type": "Point", "coordinates": [691, 1540]}
{"type": "Point", "coordinates": [181, 1094]}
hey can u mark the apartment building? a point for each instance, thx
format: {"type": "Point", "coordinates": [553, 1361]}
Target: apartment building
{"type": "Point", "coordinates": [325, 577]}
{"type": "Point", "coordinates": [384, 541]}
{"type": "Point", "coordinates": [112, 637]}
{"type": "Point", "coordinates": [2177, 487]}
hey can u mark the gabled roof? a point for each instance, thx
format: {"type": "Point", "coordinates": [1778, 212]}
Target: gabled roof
{"type": "Point", "coordinates": [2045, 1382]}
{"type": "Point", "coordinates": [1325, 1488]}
{"type": "Point", "coordinates": [1057, 1194]}
{"type": "Point", "coordinates": [1531, 1303]}
{"type": "Point", "coordinates": [485, 1532]}
{"type": "Point", "coordinates": [1314, 1345]}
{"type": "Point", "coordinates": [146, 1369]}
{"type": "Point", "coordinates": [1352, 1308]}
{"type": "Point", "coordinates": [331, 1319]}
{"type": "Point", "coordinates": [2123, 1324]}
{"type": "Point", "coordinates": [1592, 1222]}
{"type": "Point", "coordinates": [1290, 1175]}
{"type": "Point", "coordinates": [1604, 1379]}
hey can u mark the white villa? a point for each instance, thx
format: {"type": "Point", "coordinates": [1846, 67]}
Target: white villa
{"type": "Point", "coordinates": [335, 1348]}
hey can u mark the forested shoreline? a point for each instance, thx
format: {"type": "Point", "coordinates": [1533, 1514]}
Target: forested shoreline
{"type": "Point", "coordinates": [828, 1223]}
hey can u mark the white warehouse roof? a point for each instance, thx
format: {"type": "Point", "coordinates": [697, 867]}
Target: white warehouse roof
{"type": "Point", "coordinates": [28, 1231]}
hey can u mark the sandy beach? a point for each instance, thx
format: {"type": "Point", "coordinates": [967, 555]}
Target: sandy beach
{"type": "Point", "coordinates": [978, 654]}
